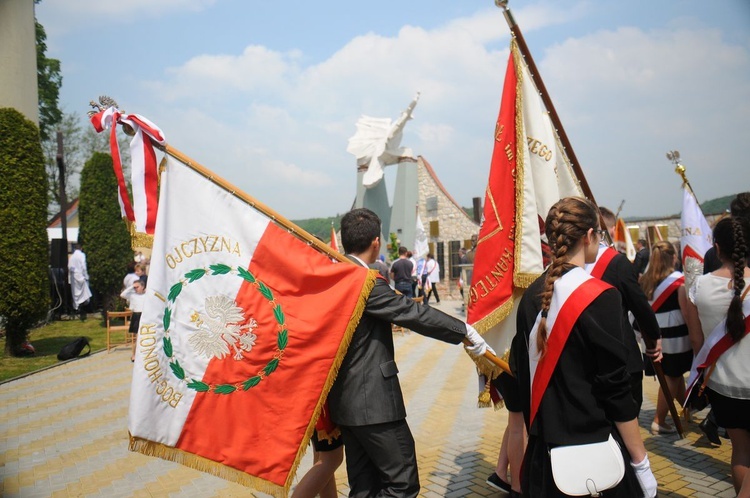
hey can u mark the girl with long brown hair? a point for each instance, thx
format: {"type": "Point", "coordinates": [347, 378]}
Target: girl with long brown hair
{"type": "Point", "coordinates": [569, 357]}
{"type": "Point", "coordinates": [665, 289]}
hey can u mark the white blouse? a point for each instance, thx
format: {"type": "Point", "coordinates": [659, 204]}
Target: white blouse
{"type": "Point", "coordinates": [712, 294]}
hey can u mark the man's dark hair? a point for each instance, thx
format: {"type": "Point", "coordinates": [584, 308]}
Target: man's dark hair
{"type": "Point", "coordinates": [359, 227]}
{"type": "Point", "coordinates": [642, 242]}
{"type": "Point", "coordinates": [402, 250]}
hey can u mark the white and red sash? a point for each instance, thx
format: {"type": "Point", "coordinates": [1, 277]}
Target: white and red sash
{"type": "Point", "coordinates": [605, 255]}
{"type": "Point", "coordinates": [572, 294]}
{"type": "Point", "coordinates": [717, 343]}
{"type": "Point", "coordinates": [144, 171]}
{"type": "Point", "coordinates": [665, 289]}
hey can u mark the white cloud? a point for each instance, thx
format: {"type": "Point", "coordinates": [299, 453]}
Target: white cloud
{"type": "Point", "coordinates": [265, 118]}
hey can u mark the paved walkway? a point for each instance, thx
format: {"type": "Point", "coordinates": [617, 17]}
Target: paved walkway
{"type": "Point", "coordinates": [63, 433]}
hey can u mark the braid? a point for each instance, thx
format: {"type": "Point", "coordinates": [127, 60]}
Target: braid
{"type": "Point", "coordinates": [567, 223]}
{"type": "Point", "coordinates": [735, 319]}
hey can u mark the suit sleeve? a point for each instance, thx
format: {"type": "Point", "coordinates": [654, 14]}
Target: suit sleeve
{"type": "Point", "coordinates": [603, 326]}
{"type": "Point", "coordinates": [634, 299]}
{"type": "Point", "coordinates": [388, 306]}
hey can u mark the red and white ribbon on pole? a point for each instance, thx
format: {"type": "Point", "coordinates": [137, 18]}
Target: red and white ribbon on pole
{"type": "Point", "coordinates": [144, 172]}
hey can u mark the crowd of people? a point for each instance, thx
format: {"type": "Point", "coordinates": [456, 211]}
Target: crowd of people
{"type": "Point", "coordinates": [575, 392]}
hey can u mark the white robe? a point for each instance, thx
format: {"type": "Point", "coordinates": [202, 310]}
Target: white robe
{"type": "Point", "coordinates": [78, 276]}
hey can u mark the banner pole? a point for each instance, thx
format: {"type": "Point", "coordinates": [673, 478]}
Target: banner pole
{"type": "Point", "coordinates": [546, 99]}
{"type": "Point", "coordinates": [235, 191]}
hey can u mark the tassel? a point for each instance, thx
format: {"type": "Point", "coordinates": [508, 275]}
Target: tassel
{"type": "Point", "coordinates": [485, 398]}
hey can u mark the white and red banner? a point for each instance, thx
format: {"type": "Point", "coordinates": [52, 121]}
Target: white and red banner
{"type": "Point", "coordinates": [528, 174]}
{"type": "Point", "coordinates": [623, 242]}
{"type": "Point", "coordinates": [696, 236]}
{"type": "Point", "coordinates": [243, 330]}
{"type": "Point", "coordinates": [144, 171]}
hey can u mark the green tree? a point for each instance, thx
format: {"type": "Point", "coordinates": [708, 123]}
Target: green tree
{"type": "Point", "coordinates": [102, 233]}
{"type": "Point", "coordinates": [24, 286]}
{"type": "Point", "coordinates": [80, 141]}
{"type": "Point", "coordinates": [49, 81]}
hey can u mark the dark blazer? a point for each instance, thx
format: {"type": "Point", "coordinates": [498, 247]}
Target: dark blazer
{"type": "Point", "coordinates": [621, 274]}
{"type": "Point", "coordinates": [367, 390]}
{"type": "Point", "coordinates": [590, 386]}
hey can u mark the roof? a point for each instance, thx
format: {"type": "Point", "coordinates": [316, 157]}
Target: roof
{"type": "Point", "coordinates": [69, 215]}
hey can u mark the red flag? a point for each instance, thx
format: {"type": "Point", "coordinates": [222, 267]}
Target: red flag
{"type": "Point", "coordinates": [529, 172]}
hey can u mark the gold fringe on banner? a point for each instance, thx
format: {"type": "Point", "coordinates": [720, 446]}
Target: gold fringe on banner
{"type": "Point", "coordinates": [202, 464]}
{"type": "Point", "coordinates": [151, 448]}
{"type": "Point", "coordinates": [497, 316]}
{"type": "Point", "coordinates": [333, 373]}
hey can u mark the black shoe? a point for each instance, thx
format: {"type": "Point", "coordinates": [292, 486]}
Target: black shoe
{"type": "Point", "coordinates": [497, 483]}
{"type": "Point", "coordinates": [711, 430]}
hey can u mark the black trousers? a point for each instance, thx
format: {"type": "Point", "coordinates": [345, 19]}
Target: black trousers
{"type": "Point", "coordinates": [381, 460]}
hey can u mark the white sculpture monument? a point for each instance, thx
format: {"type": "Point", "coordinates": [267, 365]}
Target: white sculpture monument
{"type": "Point", "coordinates": [376, 144]}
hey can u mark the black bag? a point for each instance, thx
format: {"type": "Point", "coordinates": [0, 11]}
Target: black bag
{"type": "Point", "coordinates": [73, 349]}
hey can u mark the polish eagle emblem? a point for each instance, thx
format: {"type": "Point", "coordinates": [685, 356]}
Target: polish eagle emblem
{"type": "Point", "coordinates": [221, 329]}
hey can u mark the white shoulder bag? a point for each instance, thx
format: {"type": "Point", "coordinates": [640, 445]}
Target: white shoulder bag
{"type": "Point", "coordinates": [587, 469]}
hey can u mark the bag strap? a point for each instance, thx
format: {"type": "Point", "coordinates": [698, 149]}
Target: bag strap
{"type": "Point", "coordinates": [87, 352]}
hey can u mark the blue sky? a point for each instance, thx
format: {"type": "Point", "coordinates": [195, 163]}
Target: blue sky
{"type": "Point", "coordinates": [266, 94]}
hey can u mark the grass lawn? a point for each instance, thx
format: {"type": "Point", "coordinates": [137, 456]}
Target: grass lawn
{"type": "Point", "coordinates": [47, 341]}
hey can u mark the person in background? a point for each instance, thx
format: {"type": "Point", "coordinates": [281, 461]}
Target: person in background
{"type": "Point", "coordinates": [401, 273]}
{"type": "Point", "coordinates": [328, 453]}
{"type": "Point", "coordinates": [641, 257]}
{"type": "Point", "coordinates": [431, 277]}
{"type": "Point", "coordinates": [620, 273]}
{"type": "Point", "coordinates": [135, 272]}
{"type": "Point", "coordinates": [665, 290]}
{"type": "Point", "coordinates": [136, 297]}
{"type": "Point", "coordinates": [410, 257]}
{"type": "Point", "coordinates": [382, 267]}
{"type": "Point", "coordinates": [584, 395]}
{"type": "Point", "coordinates": [78, 276]}
{"type": "Point", "coordinates": [720, 300]}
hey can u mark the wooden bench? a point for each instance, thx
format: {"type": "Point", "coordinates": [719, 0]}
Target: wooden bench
{"type": "Point", "coordinates": [115, 317]}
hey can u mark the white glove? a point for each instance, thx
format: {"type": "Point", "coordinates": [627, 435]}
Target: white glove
{"type": "Point", "coordinates": [479, 344]}
{"type": "Point", "coordinates": [645, 477]}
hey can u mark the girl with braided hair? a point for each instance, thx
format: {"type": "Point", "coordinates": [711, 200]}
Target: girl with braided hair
{"type": "Point", "coordinates": [665, 290]}
{"type": "Point", "coordinates": [722, 305]}
{"type": "Point", "coordinates": [569, 357]}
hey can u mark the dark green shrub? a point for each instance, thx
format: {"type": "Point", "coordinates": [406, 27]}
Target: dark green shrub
{"type": "Point", "coordinates": [24, 260]}
{"type": "Point", "coordinates": [103, 233]}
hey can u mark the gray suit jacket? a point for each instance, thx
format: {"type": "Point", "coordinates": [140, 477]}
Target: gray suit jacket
{"type": "Point", "coordinates": [367, 390]}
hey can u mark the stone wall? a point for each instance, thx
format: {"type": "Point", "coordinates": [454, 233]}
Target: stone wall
{"type": "Point", "coordinates": [454, 225]}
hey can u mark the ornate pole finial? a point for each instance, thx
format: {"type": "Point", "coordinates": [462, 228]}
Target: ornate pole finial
{"type": "Point", "coordinates": [105, 103]}
{"type": "Point", "coordinates": [503, 4]}
{"type": "Point", "coordinates": [674, 157]}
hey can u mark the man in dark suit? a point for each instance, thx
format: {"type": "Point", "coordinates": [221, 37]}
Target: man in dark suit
{"type": "Point", "coordinates": [641, 257]}
{"type": "Point", "coordinates": [366, 400]}
{"type": "Point", "coordinates": [622, 275]}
